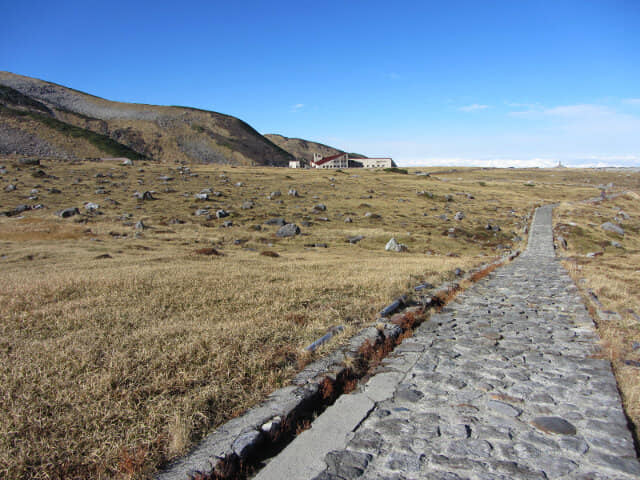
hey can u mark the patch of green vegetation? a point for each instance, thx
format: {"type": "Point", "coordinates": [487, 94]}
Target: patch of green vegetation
{"type": "Point", "coordinates": [102, 142]}
{"type": "Point", "coordinates": [482, 184]}
{"type": "Point", "coordinates": [396, 170]}
{"type": "Point", "coordinates": [197, 128]}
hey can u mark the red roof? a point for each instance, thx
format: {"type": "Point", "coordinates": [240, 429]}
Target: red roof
{"type": "Point", "coordinates": [328, 159]}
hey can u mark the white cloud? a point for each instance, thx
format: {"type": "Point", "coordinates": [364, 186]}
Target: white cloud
{"type": "Point", "coordinates": [473, 107]}
{"type": "Point", "coordinates": [631, 101]}
{"type": "Point", "coordinates": [297, 107]}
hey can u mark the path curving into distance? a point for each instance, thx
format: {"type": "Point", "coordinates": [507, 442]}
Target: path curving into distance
{"type": "Point", "coordinates": [504, 383]}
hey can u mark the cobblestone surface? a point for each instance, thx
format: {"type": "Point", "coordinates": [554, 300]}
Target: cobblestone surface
{"type": "Point", "coordinates": [503, 383]}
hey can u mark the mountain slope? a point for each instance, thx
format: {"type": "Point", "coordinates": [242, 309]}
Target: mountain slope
{"type": "Point", "coordinates": [305, 149]}
{"type": "Point", "coordinates": [33, 114]}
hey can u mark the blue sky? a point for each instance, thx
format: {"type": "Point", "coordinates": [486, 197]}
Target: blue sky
{"type": "Point", "coordinates": [452, 82]}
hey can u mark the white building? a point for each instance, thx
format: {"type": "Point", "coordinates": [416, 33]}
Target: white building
{"type": "Point", "coordinates": [342, 160]}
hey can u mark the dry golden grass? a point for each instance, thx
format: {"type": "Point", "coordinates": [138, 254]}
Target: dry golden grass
{"type": "Point", "coordinates": [120, 350]}
{"type": "Point", "coordinates": [613, 277]}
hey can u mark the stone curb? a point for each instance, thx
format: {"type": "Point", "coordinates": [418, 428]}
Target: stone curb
{"type": "Point", "coordinates": [236, 446]}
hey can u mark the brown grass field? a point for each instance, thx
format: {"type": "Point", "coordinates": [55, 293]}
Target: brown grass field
{"type": "Point", "coordinates": [121, 348]}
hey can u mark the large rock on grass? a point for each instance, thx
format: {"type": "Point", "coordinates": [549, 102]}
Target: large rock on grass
{"type": "Point", "coordinates": [288, 230]}
{"type": "Point", "coordinates": [612, 227]}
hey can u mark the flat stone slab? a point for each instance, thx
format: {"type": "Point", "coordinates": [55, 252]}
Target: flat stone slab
{"type": "Point", "coordinates": [554, 425]}
{"type": "Point", "coordinates": [504, 386]}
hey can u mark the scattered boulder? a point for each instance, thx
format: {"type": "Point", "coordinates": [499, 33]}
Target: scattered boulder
{"type": "Point", "coordinates": [372, 216]}
{"type": "Point", "coordinates": [176, 221]}
{"type": "Point", "coordinates": [270, 253]}
{"type": "Point", "coordinates": [201, 211]}
{"type": "Point", "coordinates": [288, 230]}
{"type": "Point", "coordinates": [165, 178]}
{"type": "Point", "coordinates": [91, 207]}
{"type": "Point", "coordinates": [563, 242]}
{"type": "Point", "coordinates": [239, 184]}
{"type": "Point", "coordinates": [222, 213]}
{"type": "Point", "coordinates": [10, 188]}
{"type": "Point", "coordinates": [448, 198]}
{"type": "Point", "coordinates": [29, 161]}
{"type": "Point", "coordinates": [54, 191]}
{"type": "Point", "coordinates": [348, 220]}
{"type": "Point", "coordinates": [144, 195]}
{"type": "Point", "coordinates": [594, 254]}
{"type": "Point", "coordinates": [494, 228]}
{"type": "Point", "coordinates": [68, 212]}
{"type": "Point", "coordinates": [275, 194]}
{"type": "Point", "coordinates": [624, 215]}
{"type": "Point", "coordinates": [355, 239]}
{"type": "Point", "coordinates": [101, 191]}
{"type": "Point", "coordinates": [612, 227]}
{"type": "Point", "coordinates": [321, 207]}
{"type": "Point", "coordinates": [279, 221]}
{"type": "Point", "coordinates": [616, 244]}
{"type": "Point", "coordinates": [394, 246]}
{"type": "Point", "coordinates": [248, 205]}
{"type": "Point", "coordinates": [459, 216]}
{"type": "Point", "coordinates": [127, 162]}
{"type": "Point", "coordinates": [227, 224]}
{"type": "Point", "coordinates": [140, 225]}
{"type": "Point", "coordinates": [293, 193]}
{"type": "Point", "coordinates": [202, 196]}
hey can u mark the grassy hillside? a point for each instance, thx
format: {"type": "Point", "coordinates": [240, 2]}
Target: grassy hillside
{"type": "Point", "coordinates": [166, 134]}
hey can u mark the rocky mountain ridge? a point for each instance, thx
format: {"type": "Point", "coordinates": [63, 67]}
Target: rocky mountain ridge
{"type": "Point", "coordinates": [46, 119]}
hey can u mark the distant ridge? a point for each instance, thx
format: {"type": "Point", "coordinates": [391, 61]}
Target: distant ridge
{"type": "Point", "coordinates": [39, 118]}
{"type": "Point", "coordinates": [304, 149]}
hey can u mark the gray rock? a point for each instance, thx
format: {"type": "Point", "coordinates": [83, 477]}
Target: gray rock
{"type": "Point", "coordinates": [10, 188]}
{"type": "Point", "coordinates": [504, 408]}
{"type": "Point", "coordinates": [68, 212]}
{"type": "Point", "coordinates": [394, 246]}
{"type": "Point", "coordinates": [554, 425]}
{"type": "Point", "coordinates": [140, 225]}
{"type": "Point", "coordinates": [222, 213]}
{"type": "Point", "coordinates": [29, 161]}
{"type": "Point", "coordinates": [279, 221]}
{"type": "Point", "coordinates": [288, 230]}
{"type": "Point", "coordinates": [227, 224]}
{"type": "Point", "coordinates": [459, 216]}
{"type": "Point", "coordinates": [127, 162]}
{"type": "Point", "coordinates": [144, 195]}
{"type": "Point", "coordinates": [612, 227]}
{"type": "Point", "coordinates": [293, 193]}
{"type": "Point", "coordinates": [202, 196]}
{"type": "Point", "coordinates": [248, 205]}
{"type": "Point", "coordinates": [348, 220]}
{"type": "Point", "coordinates": [201, 211]}
{"type": "Point", "coordinates": [91, 207]}
{"type": "Point", "coordinates": [275, 194]}
{"type": "Point", "coordinates": [563, 242]}
{"type": "Point", "coordinates": [616, 244]}
{"type": "Point", "coordinates": [355, 239]}
{"type": "Point", "coordinates": [321, 207]}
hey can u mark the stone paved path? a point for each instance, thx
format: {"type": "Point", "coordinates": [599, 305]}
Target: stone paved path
{"type": "Point", "coordinates": [502, 384]}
